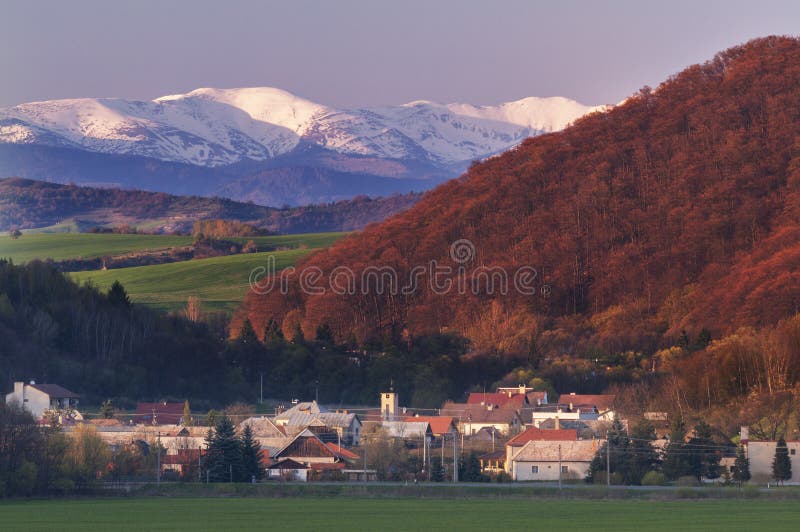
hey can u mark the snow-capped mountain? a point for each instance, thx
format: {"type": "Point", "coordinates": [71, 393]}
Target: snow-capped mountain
{"type": "Point", "coordinates": [220, 127]}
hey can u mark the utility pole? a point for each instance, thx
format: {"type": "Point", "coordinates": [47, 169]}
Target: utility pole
{"type": "Point", "coordinates": [455, 458]}
{"type": "Point", "coordinates": [559, 467]}
{"type": "Point", "coordinates": [608, 460]}
{"type": "Point", "coordinates": [158, 459]}
{"type": "Point", "coordinates": [364, 439]}
{"type": "Point", "coordinates": [261, 393]}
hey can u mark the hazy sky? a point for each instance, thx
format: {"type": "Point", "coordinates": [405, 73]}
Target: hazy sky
{"type": "Point", "coordinates": [348, 53]}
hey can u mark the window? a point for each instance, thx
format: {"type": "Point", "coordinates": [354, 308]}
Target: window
{"type": "Point", "coordinates": [792, 451]}
{"type": "Point", "coordinates": [564, 469]}
{"type": "Point", "coordinates": [534, 469]}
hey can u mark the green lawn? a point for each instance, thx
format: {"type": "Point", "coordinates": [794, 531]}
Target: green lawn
{"type": "Point", "coordinates": [219, 282]}
{"type": "Point", "coordinates": [165, 513]}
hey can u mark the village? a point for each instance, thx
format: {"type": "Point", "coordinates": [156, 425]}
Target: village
{"type": "Point", "coordinates": [510, 434]}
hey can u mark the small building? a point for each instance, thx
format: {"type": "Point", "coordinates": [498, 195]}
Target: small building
{"type": "Point", "coordinates": [493, 462]}
{"type": "Point", "coordinates": [340, 426]}
{"type": "Point", "coordinates": [288, 469]}
{"type": "Point", "coordinates": [441, 426]}
{"type": "Point", "coordinates": [474, 417]}
{"type": "Point", "coordinates": [603, 404]}
{"type": "Point", "coordinates": [41, 398]}
{"type": "Point", "coordinates": [761, 454]}
{"type": "Point", "coordinates": [540, 459]}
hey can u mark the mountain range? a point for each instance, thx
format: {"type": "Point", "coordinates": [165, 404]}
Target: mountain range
{"type": "Point", "coordinates": [264, 144]}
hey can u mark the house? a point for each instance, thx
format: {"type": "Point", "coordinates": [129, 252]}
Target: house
{"type": "Point", "coordinates": [41, 398]}
{"type": "Point", "coordinates": [441, 426]}
{"type": "Point", "coordinates": [308, 449]}
{"type": "Point", "coordinates": [497, 400]}
{"type": "Point", "coordinates": [317, 458]}
{"type": "Point", "coordinates": [761, 454]}
{"type": "Point", "coordinates": [603, 404]}
{"type": "Point", "coordinates": [535, 454]}
{"type": "Point", "coordinates": [541, 459]}
{"type": "Point", "coordinates": [493, 462]}
{"type": "Point", "coordinates": [341, 427]}
{"type": "Point", "coordinates": [474, 417]}
{"type": "Point", "coordinates": [159, 413]}
{"type": "Point", "coordinates": [541, 414]}
{"type": "Point", "coordinates": [288, 469]}
{"type": "Point", "coordinates": [531, 397]}
{"type": "Point", "coordinates": [271, 437]}
{"type": "Point", "coordinates": [408, 430]}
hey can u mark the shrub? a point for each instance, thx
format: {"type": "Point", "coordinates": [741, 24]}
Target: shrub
{"type": "Point", "coordinates": [654, 478]}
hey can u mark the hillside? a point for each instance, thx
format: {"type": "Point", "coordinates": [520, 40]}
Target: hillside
{"type": "Point", "coordinates": [29, 204]}
{"type": "Point", "coordinates": [676, 210]}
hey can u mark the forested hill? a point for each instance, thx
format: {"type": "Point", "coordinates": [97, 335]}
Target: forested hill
{"type": "Point", "coordinates": [26, 204]}
{"type": "Point", "coordinates": [676, 210]}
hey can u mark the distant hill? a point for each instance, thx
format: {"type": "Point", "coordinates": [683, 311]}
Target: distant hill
{"type": "Point", "coordinates": [29, 204]}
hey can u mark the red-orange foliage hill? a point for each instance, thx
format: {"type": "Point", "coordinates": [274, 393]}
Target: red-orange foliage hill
{"type": "Point", "coordinates": [679, 208]}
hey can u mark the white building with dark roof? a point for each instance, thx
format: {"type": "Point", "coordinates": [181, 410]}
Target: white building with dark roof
{"type": "Point", "coordinates": [40, 398]}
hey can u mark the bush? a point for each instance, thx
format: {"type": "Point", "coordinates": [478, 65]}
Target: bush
{"type": "Point", "coordinates": [654, 478]}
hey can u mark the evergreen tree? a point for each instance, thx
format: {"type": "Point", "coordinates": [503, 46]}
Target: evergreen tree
{"type": "Point", "coordinates": [273, 334]}
{"type": "Point", "coordinates": [251, 455]}
{"type": "Point", "coordinates": [781, 464]}
{"type": "Point", "coordinates": [118, 296]}
{"type": "Point", "coordinates": [437, 471]}
{"type": "Point", "coordinates": [470, 469]}
{"type": "Point", "coordinates": [741, 466]}
{"type": "Point", "coordinates": [106, 409]}
{"type": "Point", "coordinates": [620, 457]}
{"type": "Point", "coordinates": [703, 453]}
{"type": "Point", "coordinates": [187, 415]}
{"type": "Point", "coordinates": [643, 457]}
{"type": "Point", "coordinates": [224, 455]}
{"type": "Point", "coordinates": [325, 334]}
{"type": "Point", "coordinates": [677, 459]}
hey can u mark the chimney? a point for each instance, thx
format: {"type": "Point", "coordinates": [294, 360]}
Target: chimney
{"type": "Point", "coordinates": [744, 435]}
{"type": "Point", "coordinates": [18, 388]}
{"type": "Point", "coordinates": [558, 424]}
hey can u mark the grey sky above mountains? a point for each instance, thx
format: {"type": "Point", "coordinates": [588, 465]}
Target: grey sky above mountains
{"type": "Point", "coordinates": [351, 53]}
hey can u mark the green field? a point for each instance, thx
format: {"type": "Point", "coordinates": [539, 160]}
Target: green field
{"type": "Point", "coordinates": [219, 282]}
{"type": "Point", "coordinates": [60, 246]}
{"type": "Point", "coordinates": [350, 514]}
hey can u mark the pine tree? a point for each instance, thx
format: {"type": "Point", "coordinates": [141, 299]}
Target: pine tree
{"type": "Point", "coordinates": [107, 410]}
{"type": "Point", "coordinates": [620, 456]}
{"type": "Point", "coordinates": [251, 455]}
{"type": "Point", "coordinates": [187, 415]}
{"type": "Point", "coordinates": [781, 464]}
{"type": "Point", "coordinates": [224, 458]}
{"type": "Point", "coordinates": [702, 453]}
{"type": "Point", "coordinates": [437, 471]}
{"type": "Point", "coordinates": [272, 333]}
{"type": "Point", "coordinates": [644, 457]}
{"type": "Point", "coordinates": [677, 459]}
{"type": "Point", "coordinates": [118, 296]}
{"type": "Point", "coordinates": [741, 466]}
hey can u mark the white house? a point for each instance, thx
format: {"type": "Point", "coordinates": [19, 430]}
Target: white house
{"type": "Point", "coordinates": [540, 460]}
{"type": "Point", "coordinates": [343, 426]}
{"type": "Point", "coordinates": [761, 455]}
{"type": "Point", "coordinates": [40, 398]}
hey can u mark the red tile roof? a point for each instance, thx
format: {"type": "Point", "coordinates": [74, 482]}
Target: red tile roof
{"type": "Point", "coordinates": [341, 452]}
{"type": "Point", "coordinates": [497, 399]}
{"type": "Point", "coordinates": [534, 434]}
{"type": "Point", "coordinates": [439, 424]}
{"type": "Point", "coordinates": [602, 402]}
{"type": "Point", "coordinates": [326, 466]}
{"type": "Point", "coordinates": [165, 413]}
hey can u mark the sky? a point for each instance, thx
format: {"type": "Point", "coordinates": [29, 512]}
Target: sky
{"type": "Point", "coordinates": [353, 53]}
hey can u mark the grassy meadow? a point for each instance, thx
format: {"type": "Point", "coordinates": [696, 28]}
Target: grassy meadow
{"type": "Point", "coordinates": [197, 514]}
{"type": "Point", "coordinates": [219, 282]}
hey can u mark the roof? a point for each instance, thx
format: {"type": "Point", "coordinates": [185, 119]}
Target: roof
{"type": "Point", "coordinates": [602, 402]}
{"type": "Point", "coordinates": [165, 413]}
{"type": "Point", "coordinates": [262, 427]}
{"type": "Point", "coordinates": [287, 463]}
{"type": "Point", "coordinates": [548, 451]}
{"type": "Point", "coordinates": [310, 413]}
{"type": "Point", "coordinates": [499, 454]}
{"type": "Point", "coordinates": [54, 390]}
{"type": "Point", "coordinates": [341, 452]}
{"type": "Point", "coordinates": [326, 466]}
{"type": "Point", "coordinates": [407, 429]}
{"type": "Point", "coordinates": [439, 424]}
{"type": "Point", "coordinates": [536, 397]}
{"type": "Point", "coordinates": [466, 412]}
{"type": "Point", "coordinates": [497, 399]}
{"type": "Point", "coordinates": [534, 434]}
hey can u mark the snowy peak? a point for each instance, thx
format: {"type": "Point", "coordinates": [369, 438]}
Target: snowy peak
{"type": "Point", "coordinates": [216, 127]}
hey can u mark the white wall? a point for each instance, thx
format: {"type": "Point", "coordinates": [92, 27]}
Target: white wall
{"type": "Point", "coordinates": [548, 470]}
{"type": "Point", "coordinates": [761, 454]}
